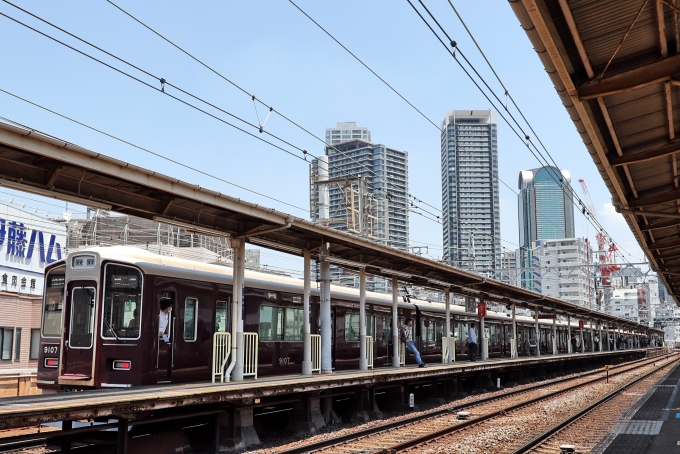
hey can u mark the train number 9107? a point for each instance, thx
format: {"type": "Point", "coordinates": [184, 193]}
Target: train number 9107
{"type": "Point", "coordinates": [50, 349]}
{"type": "Point", "coordinates": [284, 360]}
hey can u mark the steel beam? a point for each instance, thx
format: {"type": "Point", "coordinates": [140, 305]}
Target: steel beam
{"type": "Point", "coordinates": [648, 155]}
{"type": "Point", "coordinates": [638, 77]}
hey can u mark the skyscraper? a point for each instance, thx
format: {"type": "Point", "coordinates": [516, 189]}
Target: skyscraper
{"type": "Point", "coordinates": [470, 200]}
{"type": "Point", "coordinates": [546, 212]}
{"type": "Point", "coordinates": [368, 195]}
{"type": "Point", "coordinates": [346, 131]}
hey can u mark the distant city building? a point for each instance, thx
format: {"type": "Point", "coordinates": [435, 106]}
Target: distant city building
{"type": "Point", "coordinates": [508, 271]}
{"type": "Point", "coordinates": [28, 243]}
{"type": "Point", "coordinates": [470, 197]}
{"type": "Point", "coordinates": [346, 131]}
{"type": "Point", "coordinates": [564, 270]}
{"type": "Point", "coordinates": [546, 211]}
{"type": "Point", "coordinates": [368, 193]}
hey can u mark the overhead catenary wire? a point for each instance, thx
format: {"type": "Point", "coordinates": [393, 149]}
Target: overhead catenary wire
{"type": "Point", "coordinates": [164, 83]}
{"type": "Point", "coordinates": [144, 149]}
{"type": "Point", "coordinates": [406, 100]}
{"type": "Point", "coordinates": [528, 142]}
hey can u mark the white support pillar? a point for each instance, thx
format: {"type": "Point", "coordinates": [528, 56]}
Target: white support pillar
{"type": "Point", "coordinates": [599, 328]}
{"type": "Point", "coordinates": [580, 333]}
{"type": "Point", "coordinates": [325, 301]}
{"type": "Point", "coordinates": [569, 334]}
{"type": "Point", "coordinates": [537, 331]}
{"type": "Point", "coordinates": [554, 336]}
{"type": "Point", "coordinates": [395, 322]}
{"type": "Point", "coordinates": [483, 351]}
{"type": "Point", "coordinates": [592, 336]}
{"type": "Point", "coordinates": [239, 249]}
{"type": "Point", "coordinates": [448, 355]}
{"type": "Point", "coordinates": [615, 335]}
{"type": "Point", "coordinates": [306, 326]}
{"type": "Point", "coordinates": [513, 343]}
{"type": "Point", "coordinates": [363, 362]}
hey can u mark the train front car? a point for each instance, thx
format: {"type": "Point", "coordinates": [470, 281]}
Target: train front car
{"type": "Point", "coordinates": [51, 327]}
{"type": "Point", "coordinates": [101, 345]}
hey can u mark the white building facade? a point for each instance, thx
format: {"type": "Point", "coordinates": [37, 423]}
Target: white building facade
{"type": "Point", "coordinates": [565, 270]}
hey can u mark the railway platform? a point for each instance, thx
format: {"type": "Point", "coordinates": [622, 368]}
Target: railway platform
{"type": "Point", "coordinates": [652, 425]}
{"type": "Point", "coordinates": [310, 400]}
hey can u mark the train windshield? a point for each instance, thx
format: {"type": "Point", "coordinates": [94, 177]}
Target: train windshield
{"type": "Point", "coordinates": [54, 300]}
{"type": "Point", "coordinates": [122, 302]}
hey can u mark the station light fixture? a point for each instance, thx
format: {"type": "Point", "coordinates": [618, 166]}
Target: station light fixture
{"type": "Point", "coordinates": [55, 195]}
{"type": "Point", "coordinates": [341, 261]}
{"type": "Point", "coordinates": [274, 245]}
{"type": "Point", "coordinates": [191, 228]}
{"type": "Point", "coordinates": [396, 273]}
{"type": "Point", "coordinates": [442, 283]}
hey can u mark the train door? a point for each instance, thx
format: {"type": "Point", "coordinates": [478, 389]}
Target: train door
{"type": "Point", "coordinates": [77, 358]}
{"type": "Point", "coordinates": [166, 340]}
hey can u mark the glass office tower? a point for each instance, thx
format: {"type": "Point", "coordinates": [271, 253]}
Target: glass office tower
{"type": "Point", "coordinates": [546, 212]}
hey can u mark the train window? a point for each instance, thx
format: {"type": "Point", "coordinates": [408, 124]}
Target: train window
{"type": "Point", "coordinates": [190, 319]}
{"type": "Point", "coordinates": [293, 325]}
{"type": "Point", "coordinates": [82, 317]}
{"type": "Point", "coordinates": [53, 302]}
{"type": "Point", "coordinates": [221, 317]}
{"type": "Point", "coordinates": [121, 317]}
{"type": "Point", "coordinates": [427, 330]}
{"type": "Point", "coordinates": [271, 323]}
{"type": "Point", "coordinates": [352, 326]}
{"type": "Point", "coordinates": [281, 324]}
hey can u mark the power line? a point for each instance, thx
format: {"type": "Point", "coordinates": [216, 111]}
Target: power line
{"type": "Point", "coordinates": [143, 149]}
{"type": "Point", "coordinates": [528, 140]}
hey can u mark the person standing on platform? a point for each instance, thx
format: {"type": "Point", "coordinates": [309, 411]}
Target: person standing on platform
{"type": "Point", "coordinates": [407, 337]}
{"type": "Point", "coordinates": [472, 342]}
{"type": "Point", "coordinates": [573, 343]}
{"type": "Point", "coordinates": [596, 340]}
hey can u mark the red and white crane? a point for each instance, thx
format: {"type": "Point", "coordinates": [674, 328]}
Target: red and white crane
{"type": "Point", "coordinates": [606, 248]}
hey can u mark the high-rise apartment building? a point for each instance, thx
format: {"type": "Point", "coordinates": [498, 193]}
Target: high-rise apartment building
{"type": "Point", "coordinates": [470, 200]}
{"type": "Point", "coordinates": [565, 270]}
{"type": "Point", "coordinates": [346, 131]}
{"type": "Point", "coordinates": [546, 212]}
{"type": "Point", "coordinates": [368, 196]}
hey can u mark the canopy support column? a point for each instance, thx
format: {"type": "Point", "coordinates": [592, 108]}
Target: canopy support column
{"type": "Point", "coordinates": [325, 300]}
{"type": "Point", "coordinates": [307, 340]}
{"type": "Point", "coordinates": [363, 361]}
{"type": "Point", "coordinates": [395, 322]}
{"type": "Point", "coordinates": [238, 246]}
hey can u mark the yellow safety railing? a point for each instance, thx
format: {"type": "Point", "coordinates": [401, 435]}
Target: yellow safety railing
{"type": "Point", "coordinates": [221, 352]}
{"type": "Point", "coordinates": [369, 351]}
{"type": "Point", "coordinates": [316, 353]}
{"type": "Point", "coordinates": [250, 344]}
{"type": "Point", "coordinates": [402, 353]}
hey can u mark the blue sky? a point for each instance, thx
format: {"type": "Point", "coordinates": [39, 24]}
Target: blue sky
{"type": "Point", "coordinates": [270, 49]}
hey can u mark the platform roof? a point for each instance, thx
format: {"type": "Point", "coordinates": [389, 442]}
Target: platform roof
{"type": "Point", "coordinates": [616, 67]}
{"type": "Point", "coordinates": [41, 164]}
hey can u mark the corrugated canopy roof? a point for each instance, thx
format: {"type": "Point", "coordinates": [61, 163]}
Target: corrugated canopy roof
{"type": "Point", "coordinates": [34, 162]}
{"type": "Point", "coordinates": [616, 67]}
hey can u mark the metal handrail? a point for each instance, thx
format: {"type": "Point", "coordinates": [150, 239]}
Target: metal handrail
{"type": "Point", "coordinates": [369, 352]}
{"type": "Point", "coordinates": [221, 352]}
{"type": "Point", "coordinates": [250, 345]}
{"type": "Point", "coordinates": [316, 352]}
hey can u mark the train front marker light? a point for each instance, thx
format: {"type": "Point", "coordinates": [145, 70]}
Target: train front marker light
{"type": "Point", "coordinates": [51, 362]}
{"type": "Point", "coordinates": [122, 364]}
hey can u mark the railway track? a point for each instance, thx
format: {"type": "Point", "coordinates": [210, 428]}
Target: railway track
{"type": "Point", "coordinates": [419, 433]}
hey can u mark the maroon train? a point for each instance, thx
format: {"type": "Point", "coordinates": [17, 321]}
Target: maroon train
{"type": "Point", "coordinates": [100, 321]}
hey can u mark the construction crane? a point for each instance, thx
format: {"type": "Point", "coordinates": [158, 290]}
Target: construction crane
{"type": "Point", "coordinates": [606, 249]}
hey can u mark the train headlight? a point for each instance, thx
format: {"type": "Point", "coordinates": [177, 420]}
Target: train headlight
{"type": "Point", "coordinates": [122, 364]}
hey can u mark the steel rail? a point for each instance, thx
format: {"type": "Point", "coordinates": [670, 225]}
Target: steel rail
{"type": "Point", "coordinates": [434, 413]}
{"type": "Point", "coordinates": [553, 430]}
{"type": "Point", "coordinates": [440, 433]}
